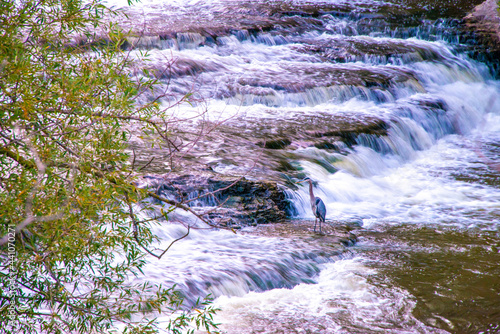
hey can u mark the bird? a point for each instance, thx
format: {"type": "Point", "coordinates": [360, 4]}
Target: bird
{"type": "Point", "coordinates": [317, 205]}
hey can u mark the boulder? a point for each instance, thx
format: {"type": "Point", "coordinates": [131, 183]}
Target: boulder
{"type": "Point", "coordinates": [229, 201]}
{"type": "Point", "coordinates": [483, 23]}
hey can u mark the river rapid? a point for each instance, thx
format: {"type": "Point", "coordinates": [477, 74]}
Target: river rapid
{"type": "Point", "coordinates": [422, 194]}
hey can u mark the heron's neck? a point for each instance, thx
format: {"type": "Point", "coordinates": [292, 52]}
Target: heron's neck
{"type": "Point", "coordinates": [311, 194]}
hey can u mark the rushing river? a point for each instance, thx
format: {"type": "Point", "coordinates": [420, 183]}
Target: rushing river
{"type": "Point", "coordinates": [425, 195]}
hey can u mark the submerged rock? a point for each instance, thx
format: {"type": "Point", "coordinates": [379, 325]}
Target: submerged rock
{"type": "Point", "coordinates": [358, 48]}
{"type": "Point", "coordinates": [335, 234]}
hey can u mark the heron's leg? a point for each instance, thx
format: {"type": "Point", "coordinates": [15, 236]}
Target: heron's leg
{"type": "Point", "coordinates": [315, 222]}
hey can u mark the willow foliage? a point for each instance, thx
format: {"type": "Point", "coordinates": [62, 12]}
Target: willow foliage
{"type": "Point", "coordinates": [68, 248]}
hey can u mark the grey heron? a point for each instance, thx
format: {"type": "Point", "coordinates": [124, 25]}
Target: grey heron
{"type": "Point", "coordinates": [317, 205]}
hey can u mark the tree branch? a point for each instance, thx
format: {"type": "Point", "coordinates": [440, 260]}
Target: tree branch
{"type": "Point", "coordinates": [136, 231]}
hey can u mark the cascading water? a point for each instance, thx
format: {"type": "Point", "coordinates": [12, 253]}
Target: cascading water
{"type": "Point", "coordinates": [388, 178]}
{"type": "Point", "coordinates": [431, 173]}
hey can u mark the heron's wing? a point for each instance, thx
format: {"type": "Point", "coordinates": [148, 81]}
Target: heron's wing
{"type": "Point", "coordinates": [320, 209]}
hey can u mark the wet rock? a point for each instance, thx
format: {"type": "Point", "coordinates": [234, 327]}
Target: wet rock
{"type": "Point", "coordinates": [245, 19]}
{"type": "Point", "coordinates": [170, 22]}
{"type": "Point", "coordinates": [314, 130]}
{"type": "Point", "coordinates": [485, 20]}
{"type": "Point", "coordinates": [325, 75]}
{"type": "Point", "coordinates": [348, 130]}
{"type": "Point", "coordinates": [267, 149]}
{"type": "Point", "coordinates": [358, 48]}
{"type": "Point", "coordinates": [235, 202]}
{"type": "Point", "coordinates": [275, 144]}
{"type": "Point", "coordinates": [484, 25]}
{"type": "Point", "coordinates": [334, 234]}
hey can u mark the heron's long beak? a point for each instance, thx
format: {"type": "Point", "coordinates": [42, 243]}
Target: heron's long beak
{"type": "Point", "coordinates": [301, 181]}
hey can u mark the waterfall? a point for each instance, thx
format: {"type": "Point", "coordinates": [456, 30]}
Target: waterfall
{"type": "Point", "coordinates": [379, 104]}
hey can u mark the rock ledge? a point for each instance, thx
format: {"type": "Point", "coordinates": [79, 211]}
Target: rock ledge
{"type": "Point", "coordinates": [484, 23]}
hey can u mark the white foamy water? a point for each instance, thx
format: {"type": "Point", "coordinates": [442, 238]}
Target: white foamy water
{"type": "Point", "coordinates": [342, 300]}
{"type": "Point", "coordinates": [416, 184]}
{"type": "Point", "coordinates": [225, 263]}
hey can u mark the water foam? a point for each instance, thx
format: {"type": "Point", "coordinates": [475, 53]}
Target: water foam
{"type": "Point", "coordinates": [344, 299]}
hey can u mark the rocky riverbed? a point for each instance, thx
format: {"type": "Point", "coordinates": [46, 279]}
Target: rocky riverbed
{"type": "Point", "coordinates": [391, 107]}
{"type": "Point", "coordinates": [267, 151]}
